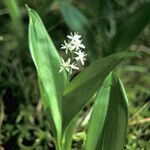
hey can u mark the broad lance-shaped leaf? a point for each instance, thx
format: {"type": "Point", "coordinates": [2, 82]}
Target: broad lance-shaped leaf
{"type": "Point", "coordinates": [131, 28]}
{"type": "Point", "coordinates": [85, 85]}
{"type": "Point", "coordinates": [108, 123]}
{"type": "Point", "coordinates": [47, 62]}
{"type": "Point", "coordinates": [73, 17]}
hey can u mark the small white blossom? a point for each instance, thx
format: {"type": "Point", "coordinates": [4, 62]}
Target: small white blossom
{"type": "Point", "coordinates": [74, 46]}
{"type": "Point", "coordinates": [76, 41]}
{"type": "Point", "coordinates": [77, 44]}
{"type": "Point", "coordinates": [74, 37]}
{"type": "Point", "coordinates": [67, 47]}
{"type": "Point", "coordinates": [80, 56]}
{"type": "Point", "coordinates": [73, 66]}
{"type": "Point", "coordinates": [65, 65]}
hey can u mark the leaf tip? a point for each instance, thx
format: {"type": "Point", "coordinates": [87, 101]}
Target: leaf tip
{"type": "Point", "coordinates": [27, 7]}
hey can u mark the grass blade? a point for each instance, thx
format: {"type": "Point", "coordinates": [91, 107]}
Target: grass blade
{"type": "Point", "coordinates": [15, 14]}
{"type": "Point", "coordinates": [131, 28]}
{"type": "Point", "coordinates": [73, 17]}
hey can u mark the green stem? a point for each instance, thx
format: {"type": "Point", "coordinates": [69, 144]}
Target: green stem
{"type": "Point", "coordinates": [68, 77]}
{"type": "Point", "coordinates": [58, 144]}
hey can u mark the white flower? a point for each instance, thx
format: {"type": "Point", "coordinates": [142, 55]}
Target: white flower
{"type": "Point", "coordinates": [77, 44]}
{"type": "Point", "coordinates": [73, 66]}
{"type": "Point", "coordinates": [65, 65]}
{"type": "Point", "coordinates": [75, 41]}
{"type": "Point", "coordinates": [74, 37]}
{"type": "Point", "coordinates": [80, 56]}
{"type": "Point", "coordinates": [67, 47]}
{"type": "Point", "coordinates": [74, 46]}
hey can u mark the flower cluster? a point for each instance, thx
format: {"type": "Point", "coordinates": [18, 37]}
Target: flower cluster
{"type": "Point", "coordinates": [73, 47]}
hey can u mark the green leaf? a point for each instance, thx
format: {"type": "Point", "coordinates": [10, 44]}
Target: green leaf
{"type": "Point", "coordinates": [73, 17]}
{"type": "Point", "coordinates": [85, 85]}
{"type": "Point", "coordinates": [68, 135]}
{"type": "Point", "coordinates": [108, 123]}
{"type": "Point", "coordinates": [47, 62]}
{"type": "Point", "coordinates": [45, 104]}
{"type": "Point", "coordinates": [98, 115]}
{"type": "Point", "coordinates": [127, 33]}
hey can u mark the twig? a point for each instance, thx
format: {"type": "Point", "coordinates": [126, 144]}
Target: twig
{"type": "Point", "coordinates": [139, 111]}
{"type": "Point", "coordinates": [141, 121]}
